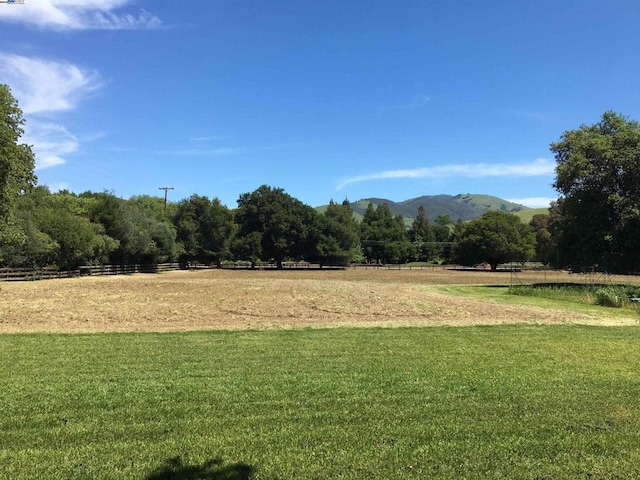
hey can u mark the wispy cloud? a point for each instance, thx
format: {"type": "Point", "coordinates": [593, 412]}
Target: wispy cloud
{"type": "Point", "coordinates": [51, 142]}
{"type": "Point", "coordinates": [538, 167]}
{"type": "Point", "coordinates": [419, 101]}
{"type": "Point", "coordinates": [524, 114]}
{"type": "Point", "coordinates": [533, 202]}
{"type": "Point", "coordinates": [209, 138]}
{"type": "Point", "coordinates": [43, 85]}
{"type": "Point", "coordinates": [203, 152]}
{"type": "Point", "coordinates": [47, 87]}
{"type": "Point", "coordinates": [79, 15]}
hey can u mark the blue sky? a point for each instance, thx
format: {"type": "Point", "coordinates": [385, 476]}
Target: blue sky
{"type": "Point", "coordinates": [326, 99]}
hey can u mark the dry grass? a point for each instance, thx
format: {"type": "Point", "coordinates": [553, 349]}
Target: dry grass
{"type": "Point", "coordinates": [223, 299]}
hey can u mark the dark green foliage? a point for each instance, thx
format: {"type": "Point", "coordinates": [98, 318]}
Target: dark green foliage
{"type": "Point", "coordinates": [598, 172]}
{"type": "Point", "coordinates": [383, 237]}
{"type": "Point", "coordinates": [204, 230]}
{"type": "Point", "coordinates": [272, 225]}
{"type": "Point", "coordinates": [546, 228]}
{"type": "Point", "coordinates": [57, 231]}
{"type": "Point", "coordinates": [422, 237]}
{"type": "Point", "coordinates": [336, 235]}
{"type": "Point", "coordinates": [143, 234]}
{"type": "Point", "coordinates": [78, 241]}
{"type": "Point", "coordinates": [443, 228]}
{"type": "Point", "coordinates": [154, 207]}
{"type": "Point", "coordinates": [17, 163]}
{"type": "Point", "coordinates": [36, 248]}
{"type": "Point", "coordinates": [494, 238]}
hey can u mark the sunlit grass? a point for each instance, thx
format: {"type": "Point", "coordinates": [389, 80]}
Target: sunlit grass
{"type": "Point", "coordinates": [574, 299]}
{"type": "Point", "coordinates": [476, 402]}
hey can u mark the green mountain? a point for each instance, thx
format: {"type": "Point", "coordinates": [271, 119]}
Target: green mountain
{"type": "Point", "coordinates": [526, 215]}
{"type": "Point", "coordinates": [464, 206]}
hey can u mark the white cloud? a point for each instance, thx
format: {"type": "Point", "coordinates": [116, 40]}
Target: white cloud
{"type": "Point", "coordinates": [79, 15]}
{"type": "Point", "coordinates": [42, 85]}
{"type": "Point", "coordinates": [533, 202]}
{"type": "Point", "coordinates": [51, 142]}
{"type": "Point", "coordinates": [538, 167]}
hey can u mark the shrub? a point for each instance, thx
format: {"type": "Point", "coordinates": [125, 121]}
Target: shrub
{"type": "Point", "coordinates": [610, 297]}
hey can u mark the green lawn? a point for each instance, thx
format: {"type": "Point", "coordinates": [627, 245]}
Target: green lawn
{"type": "Point", "coordinates": [579, 300]}
{"type": "Point", "coordinates": [486, 402]}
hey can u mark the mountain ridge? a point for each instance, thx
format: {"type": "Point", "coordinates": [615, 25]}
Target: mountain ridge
{"type": "Point", "coordinates": [462, 206]}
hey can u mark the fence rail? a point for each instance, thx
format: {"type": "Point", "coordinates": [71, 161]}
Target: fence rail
{"type": "Point", "coordinates": [46, 273]}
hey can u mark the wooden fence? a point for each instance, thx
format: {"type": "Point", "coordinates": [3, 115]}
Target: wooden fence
{"type": "Point", "coordinates": [46, 273]}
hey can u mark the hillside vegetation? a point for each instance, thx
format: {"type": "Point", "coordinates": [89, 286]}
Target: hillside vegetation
{"type": "Point", "coordinates": [526, 215]}
{"type": "Point", "coordinates": [463, 206]}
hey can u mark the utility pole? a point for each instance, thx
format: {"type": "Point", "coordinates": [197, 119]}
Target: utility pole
{"type": "Point", "coordinates": [166, 190]}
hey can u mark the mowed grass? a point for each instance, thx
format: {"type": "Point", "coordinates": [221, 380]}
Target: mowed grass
{"type": "Point", "coordinates": [478, 402]}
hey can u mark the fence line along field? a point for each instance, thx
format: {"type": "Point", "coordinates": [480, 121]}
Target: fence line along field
{"type": "Point", "coordinates": [233, 300]}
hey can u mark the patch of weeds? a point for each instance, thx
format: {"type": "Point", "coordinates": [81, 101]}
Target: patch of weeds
{"type": "Point", "coordinates": [615, 296]}
{"type": "Point", "coordinates": [561, 291]}
{"type": "Point", "coordinates": [610, 297]}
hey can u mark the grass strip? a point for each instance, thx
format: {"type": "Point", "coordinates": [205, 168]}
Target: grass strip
{"type": "Point", "coordinates": [577, 300]}
{"type": "Point", "coordinates": [478, 402]}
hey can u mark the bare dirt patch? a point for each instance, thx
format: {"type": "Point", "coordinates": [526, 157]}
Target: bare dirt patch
{"type": "Point", "coordinates": [233, 300]}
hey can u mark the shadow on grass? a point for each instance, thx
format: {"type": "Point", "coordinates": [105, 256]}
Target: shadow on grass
{"type": "Point", "coordinates": [176, 469]}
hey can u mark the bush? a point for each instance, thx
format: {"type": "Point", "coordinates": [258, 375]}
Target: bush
{"type": "Point", "coordinates": [610, 297]}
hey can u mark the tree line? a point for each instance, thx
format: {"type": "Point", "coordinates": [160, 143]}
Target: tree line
{"type": "Point", "coordinates": [595, 224]}
{"type": "Point", "coordinates": [68, 230]}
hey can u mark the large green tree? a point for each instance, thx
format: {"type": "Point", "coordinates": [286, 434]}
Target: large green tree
{"type": "Point", "coordinates": [598, 173]}
{"type": "Point", "coordinates": [17, 163]}
{"type": "Point", "coordinates": [142, 233]}
{"type": "Point", "coordinates": [336, 235]}
{"type": "Point", "coordinates": [383, 236]}
{"type": "Point", "coordinates": [496, 237]}
{"type": "Point", "coordinates": [204, 229]}
{"type": "Point", "coordinates": [422, 236]}
{"type": "Point", "coordinates": [272, 225]}
{"type": "Point", "coordinates": [57, 231]}
{"type": "Point", "coordinates": [545, 227]}
{"type": "Point", "coordinates": [37, 248]}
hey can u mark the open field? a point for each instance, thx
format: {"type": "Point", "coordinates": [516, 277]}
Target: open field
{"type": "Point", "coordinates": [540, 398]}
{"type": "Point", "coordinates": [526, 402]}
{"type": "Point", "coordinates": [226, 299]}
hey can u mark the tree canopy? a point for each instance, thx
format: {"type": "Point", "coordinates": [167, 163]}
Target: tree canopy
{"type": "Point", "coordinates": [17, 164]}
{"type": "Point", "coordinates": [422, 236]}
{"type": "Point", "coordinates": [598, 173]}
{"type": "Point", "coordinates": [204, 229]}
{"type": "Point", "coordinates": [496, 237]}
{"type": "Point", "coordinates": [272, 225]}
{"type": "Point", "coordinates": [384, 237]}
{"type": "Point", "coordinates": [336, 235]}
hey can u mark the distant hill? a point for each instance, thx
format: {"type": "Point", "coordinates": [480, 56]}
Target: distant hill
{"type": "Point", "coordinates": [526, 215]}
{"type": "Point", "coordinates": [463, 206]}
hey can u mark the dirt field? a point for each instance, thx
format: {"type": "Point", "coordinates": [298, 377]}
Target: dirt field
{"type": "Point", "coordinates": [233, 300]}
